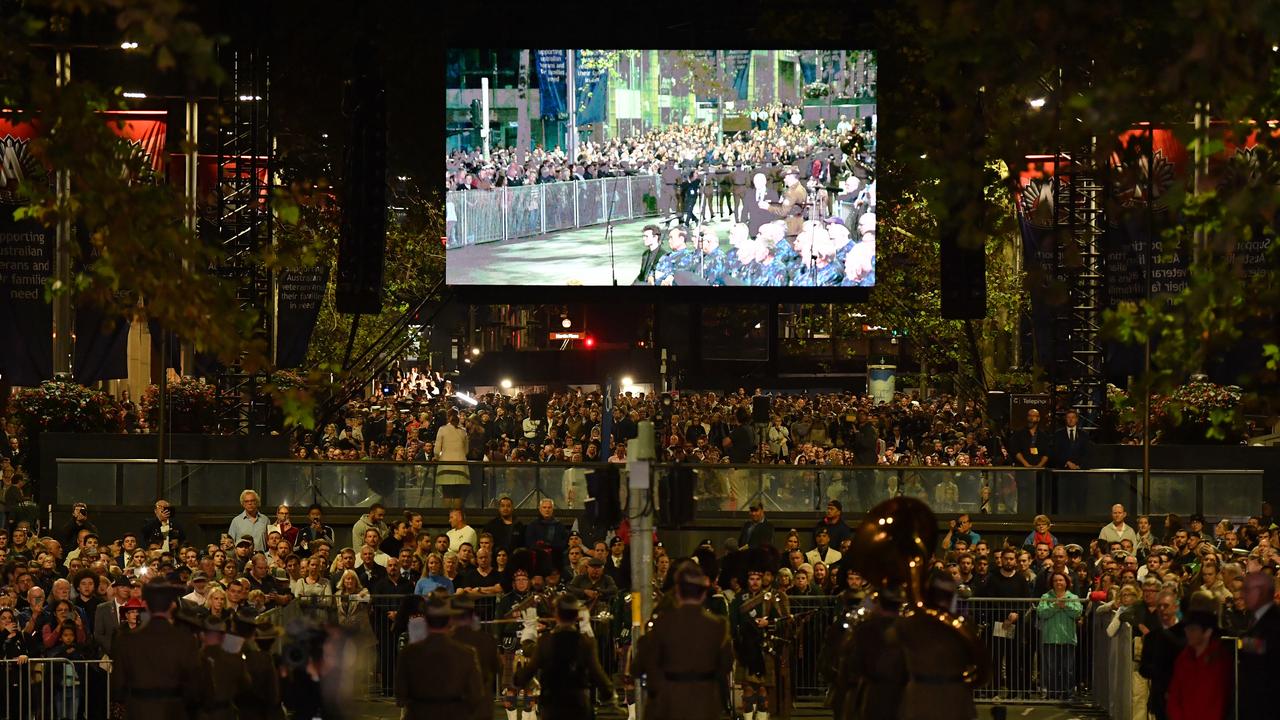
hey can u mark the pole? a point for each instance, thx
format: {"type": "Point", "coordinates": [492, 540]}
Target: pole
{"type": "Point", "coordinates": [571, 98]}
{"type": "Point", "coordinates": [1146, 362]}
{"type": "Point", "coordinates": [162, 414]}
{"type": "Point", "coordinates": [484, 115]}
{"type": "Point", "coordinates": [640, 453]}
{"type": "Point", "coordinates": [191, 161]}
{"type": "Point", "coordinates": [62, 247]}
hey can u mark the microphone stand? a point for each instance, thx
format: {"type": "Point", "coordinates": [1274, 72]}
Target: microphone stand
{"type": "Point", "coordinates": [608, 230]}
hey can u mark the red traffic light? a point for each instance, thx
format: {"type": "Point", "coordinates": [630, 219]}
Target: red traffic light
{"type": "Point", "coordinates": [589, 342]}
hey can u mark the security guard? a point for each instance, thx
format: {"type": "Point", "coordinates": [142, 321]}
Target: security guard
{"type": "Point", "coordinates": [439, 677]}
{"type": "Point", "coordinates": [466, 631]}
{"type": "Point", "coordinates": [155, 670]}
{"type": "Point", "coordinates": [566, 665]}
{"type": "Point", "coordinates": [687, 656]}
{"type": "Point", "coordinates": [224, 674]}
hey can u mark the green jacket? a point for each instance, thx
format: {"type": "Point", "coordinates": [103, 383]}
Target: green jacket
{"type": "Point", "coordinates": [1058, 624]}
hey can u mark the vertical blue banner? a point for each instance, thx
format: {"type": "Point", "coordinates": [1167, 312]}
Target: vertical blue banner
{"type": "Point", "coordinates": [592, 79]}
{"type": "Point", "coordinates": [808, 67]}
{"type": "Point", "coordinates": [551, 66]}
{"type": "Point", "coordinates": [738, 65]}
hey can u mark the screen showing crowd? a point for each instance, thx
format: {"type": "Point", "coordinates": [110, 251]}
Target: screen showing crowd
{"type": "Point", "coordinates": [672, 168]}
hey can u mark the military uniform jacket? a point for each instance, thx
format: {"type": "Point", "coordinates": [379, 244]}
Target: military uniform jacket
{"type": "Point", "coordinates": [686, 259]}
{"type": "Point", "coordinates": [566, 664]}
{"type": "Point", "coordinates": [486, 649]}
{"type": "Point", "coordinates": [937, 657]}
{"type": "Point", "coordinates": [156, 672]}
{"type": "Point", "coordinates": [790, 208]}
{"type": "Point", "coordinates": [262, 699]}
{"type": "Point", "coordinates": [226, 680]}
{"type": "Point", "coordinates": [687, 657]}
{"type": "Point", "coordinates": [439, 677]}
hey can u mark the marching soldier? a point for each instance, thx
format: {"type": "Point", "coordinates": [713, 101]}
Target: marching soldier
{"type": "Point", "coordinates": [754, 613]}
{"type": "Point", "coordinates": [466, 631]}
{"type": "Point", "coordinates": [439, 677]}
{"type": "Point", "coordinates": [870, 673]}
{"type": "Point", "coordinates": [519, 640]}
{"type": "Point", "coordinates": [225, 674]}
{"type": "Point", "coordinates": [687, 655]}
{"type": "Point", "coordinates": [566, 665]}
{"type": "Point", "coordinates": [263, 700]}
{"type": "Point", "coordinates": [944, 661]}
{"type": "Point", "coordinates": [155, 668]}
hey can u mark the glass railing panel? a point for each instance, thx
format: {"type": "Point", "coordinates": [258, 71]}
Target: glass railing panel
{"type": "Point", "coordinates": [91, 483]}
{"type": "Point", "coordinates": [1231, 495]}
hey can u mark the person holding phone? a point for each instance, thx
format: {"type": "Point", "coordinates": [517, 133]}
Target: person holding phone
{"type": "Point", "coordinates": [79, 521]}
{"type": "Point", "coordinates": [162, 530]}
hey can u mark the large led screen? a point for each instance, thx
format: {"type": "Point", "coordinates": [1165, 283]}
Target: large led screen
{"type": "Point", "coordinates": [660, 168]}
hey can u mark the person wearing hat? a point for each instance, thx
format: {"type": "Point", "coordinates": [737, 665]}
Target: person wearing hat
{"type": "Point", "coordinates": [199, 591]}
{"type": "Point", "coordinates": [834, 523]}
{"type": "Point", "coordinates": [752, 614]}
{"type": "Point", "coordinates": [156, 672]}
{"type": "Point", "coordinates": [224, 674]}
{"type": "Point", "coordinates": [439, 677]}
{"type": "Point", "coordinates": [943, 659]}
{"type": "Point", "coordinates": [107, 616]}
{"type": "Point", "coordinates": [791, 205]}
{"type": "Point", "coordinates": [256, 635]}
{"type": "Point", "coordinates": [466, 630]}
{"type": "Point", "coordinates": [756, 532]}
{"type": "Point", "coordinates": [594, 588]}
{"type": "Point", "coordinates": [522, 609]}
{"type": "Point", "coordinates": [567, 667]}
{"type": "Point", "coordinates": [618, 564]}
{"type": "Point", "coordinates": [868, 673]}
{"type": "Point", "coordinates": [687, 654]}
{"type": "Point", "coordinates": [823, 552]}
{"type": "Point", "coordinates": [1202, 673]}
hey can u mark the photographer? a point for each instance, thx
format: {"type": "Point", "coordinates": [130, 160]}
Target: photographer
{"type": "Point", "coordinates": [68, 534]}
{"type": "Point", "coordinates": [162, 530]}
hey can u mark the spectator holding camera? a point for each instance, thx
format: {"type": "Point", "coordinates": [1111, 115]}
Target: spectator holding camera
{"type": "Point", "coordinates": [162, 530]}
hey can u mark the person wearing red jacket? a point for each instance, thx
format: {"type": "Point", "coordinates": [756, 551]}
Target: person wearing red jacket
{"type": "Point", "coordinates": [1201, 685]}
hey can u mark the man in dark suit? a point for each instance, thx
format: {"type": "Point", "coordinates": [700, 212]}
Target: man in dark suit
{"type": "Point", "coordinates": [439, 677]}
{"type": "Point", "coordinates": [156, 672]}
{"type": "Point", "coordinates": [687, 655]}
{"type": "Point", "coordinates": [1160, 650]}
{"type": "Point", "coordinates": [1259, 647]}
{"type": "Point", "coordinates": [1071, 444]}
{"type": "Point", "coordinates": [753, 197]}
{"type": "Point", "coordinates": [757, 532]}
{"type": "Point", "coordinates": [652, 237]}
{"type": "Point", "coordinates": [466, 631]}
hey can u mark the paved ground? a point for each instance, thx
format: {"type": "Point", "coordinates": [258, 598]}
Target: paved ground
{"type": "Point", "coordinates": [386, 710]}
{"type": "Point", "coordinates": [570, 257]}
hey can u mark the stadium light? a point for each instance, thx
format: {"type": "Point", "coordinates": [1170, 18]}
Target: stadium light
{"type": "Point", "coordinates": [475, 351]}
{"type": "Point", "coordinates": [626, 381]}
{"type": "Point", "coordinates": [1036, 103]}
{"type": "Point", "coordinates": [128, 45]}
{"type": "Point", "coordinates": [506, 383]}
{"type": "Point", "coordinates": [135, 95]}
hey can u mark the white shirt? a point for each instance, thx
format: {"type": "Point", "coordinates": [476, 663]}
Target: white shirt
{"type": "Point", "coordinates": [832, 556]}
{"type": "Point", "coordinates": [464, 534]}
{"type": "Point", "coordinates": [1111, 534]}
{"type": "Point", "coordinates": [164, 533]}
{"type": "Point", "coordinates": [194, 598]}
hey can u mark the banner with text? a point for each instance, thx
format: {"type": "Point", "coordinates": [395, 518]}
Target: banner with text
{"type": "Point", "coordinates": [552, 66]}
{"type": "Point", "coordinates": [738, 64]}
{"type": "Point", "coordinates": [591, 75]}
{"type": "Point", "coordinates": [301, 292]}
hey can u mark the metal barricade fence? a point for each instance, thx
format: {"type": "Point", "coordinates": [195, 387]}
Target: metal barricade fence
{"type": "Point", "coordinates": [482, 216]}
{"type": "Point", "coordinates": [1040, 650]}
{"type": "Point", "coordinates": [56, 688]}
{"type": "Point", "coordinates": [805, 635]}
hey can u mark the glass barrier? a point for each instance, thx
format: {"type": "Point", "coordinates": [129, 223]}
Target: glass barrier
{"type": "Point", "coordinates": [720, 488]}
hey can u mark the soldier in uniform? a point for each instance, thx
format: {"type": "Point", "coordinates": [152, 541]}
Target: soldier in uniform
{"type": "Point", "coordinates": [439, 677]}
{"type": "Point", "coordinates": [687, 655]}
{"type": "Point", "coordinates": [262, 700]}
{"type": "Point", "coordinates": [155, 670]}
{"type": "Point", "coordinates": [566, 666]}
{"type": "Point", "coordinates": [466, 631]}
{"type": "Point", "coordinates": [794, 200]}
{"type": "Point", "coordinates": [672, 204]}
{"type": "Point", "coordinates": [519, 639]}
{"type": "Point", "coordinates": [870, 672]}
{"type": "Point", "coordinates": [739, 179]}
{"type": "Point", "coordinates": [224, 674]}
{"type": "Point", "coordinates": [680, 258]}
{"type": "Point", "coordinates": [753, 613]}
{"type": "Point", "coordinates": [944, 660]}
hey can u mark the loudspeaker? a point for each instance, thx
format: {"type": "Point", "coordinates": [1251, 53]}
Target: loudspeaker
{"type": "Point", "coordinates": [362, 242]}
{"type": "Point", "coordinates": [998, 408]}
{"type": "Point", "coordinates": [760, 410]}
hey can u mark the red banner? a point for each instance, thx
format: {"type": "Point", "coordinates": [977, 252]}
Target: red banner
{"type": "Point", "coordinates": [143, 128]}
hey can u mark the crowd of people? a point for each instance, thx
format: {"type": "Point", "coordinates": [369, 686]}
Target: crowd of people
{"type": "Point", "coordinates": [775, 139]}
{"type": "Point", "coordinates": [1177, 585]}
